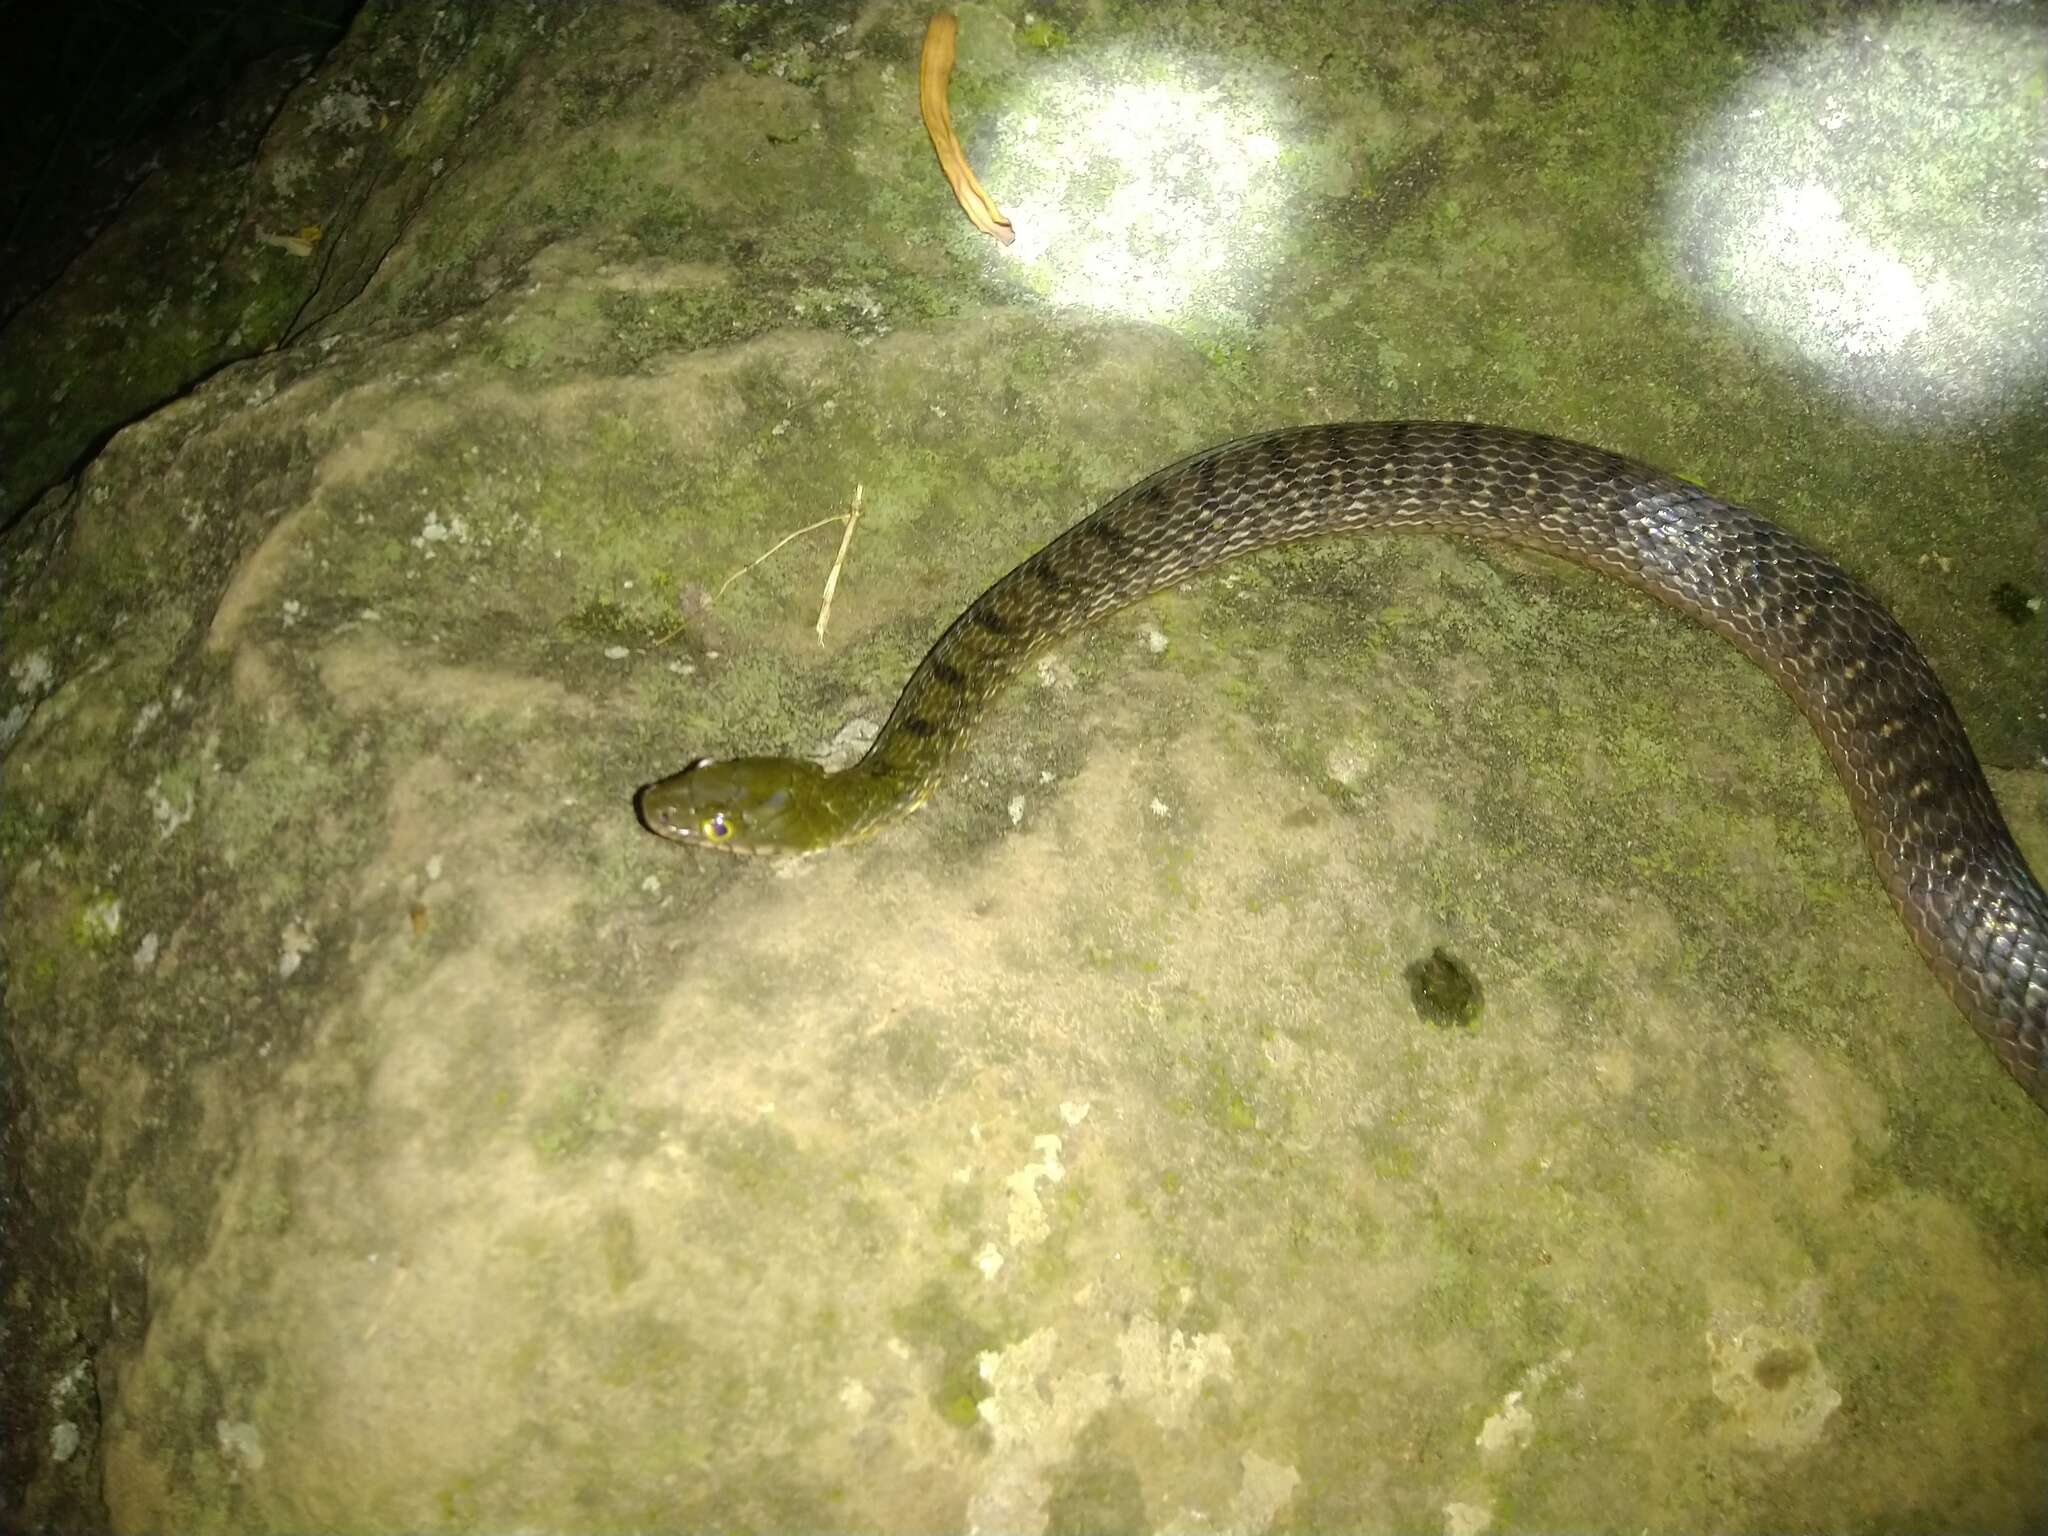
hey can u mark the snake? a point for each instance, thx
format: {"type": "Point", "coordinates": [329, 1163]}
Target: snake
{"type": "Point", "coordinates": [1940, 845]}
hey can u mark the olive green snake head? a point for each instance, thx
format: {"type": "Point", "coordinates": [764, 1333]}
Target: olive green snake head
{"type": "Point", "coordinates": [742, 805]}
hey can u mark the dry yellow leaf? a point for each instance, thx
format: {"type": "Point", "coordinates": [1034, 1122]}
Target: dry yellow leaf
{"type": "Point", "coordinates": [934, 72]}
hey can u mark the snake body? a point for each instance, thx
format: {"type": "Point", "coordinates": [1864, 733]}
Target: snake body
{"type": "Point", "coordinates": [1935, 834]}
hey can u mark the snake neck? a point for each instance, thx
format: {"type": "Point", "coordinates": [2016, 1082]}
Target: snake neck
{"type": "Point", "coordinates": [907, 761]}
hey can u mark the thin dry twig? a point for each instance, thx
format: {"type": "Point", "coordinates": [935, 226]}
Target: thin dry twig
{"type": "Point", "coordinates": [934, 73]}
{"type": "Point", "coordinates": [837, 517]}
{"type": "Point", "coordinates": [850, 518]}
{"type": "Point", "coordinates": [832, 576]}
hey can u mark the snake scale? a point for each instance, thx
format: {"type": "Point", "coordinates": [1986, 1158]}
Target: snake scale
{"type": "Point", "coordinates": [1942, 849]}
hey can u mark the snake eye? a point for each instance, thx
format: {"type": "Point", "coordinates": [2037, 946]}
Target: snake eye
{"type": "Point", "coordinates": [716, 828]}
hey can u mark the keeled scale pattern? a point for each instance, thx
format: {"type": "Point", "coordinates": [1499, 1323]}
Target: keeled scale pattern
{"type": "Point", "coordinates": [1940, 845]}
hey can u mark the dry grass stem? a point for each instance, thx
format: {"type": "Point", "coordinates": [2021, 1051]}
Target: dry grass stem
{"type": "Point", "coordinates": [839, 560]}
{"type": "Point", "coordinates": [837, 517]}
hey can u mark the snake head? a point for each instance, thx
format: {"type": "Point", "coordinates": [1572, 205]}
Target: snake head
{"type": "Point", "coordinates": [740, 805]}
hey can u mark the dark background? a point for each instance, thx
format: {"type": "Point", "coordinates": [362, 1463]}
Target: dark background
{"type": "Point", "coordinates": [93, 91]}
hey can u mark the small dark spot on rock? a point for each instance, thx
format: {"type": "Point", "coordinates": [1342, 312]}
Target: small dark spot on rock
{"type": "Point", "coordinates": [1774, 1372]}
{"type": "Point", "coordinates": [1445, 992]}
{"type": "Point", "coordinates": [2015, 604]}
